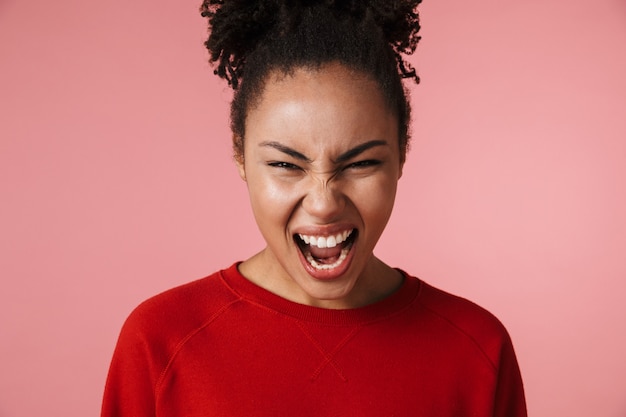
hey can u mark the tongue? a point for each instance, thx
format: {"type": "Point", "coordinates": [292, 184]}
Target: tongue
{"type": "Point", "coordinates": [326, 255]}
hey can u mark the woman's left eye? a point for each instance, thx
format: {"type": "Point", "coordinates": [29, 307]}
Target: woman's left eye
{"type": "Point", "coordinates": [364, 164]}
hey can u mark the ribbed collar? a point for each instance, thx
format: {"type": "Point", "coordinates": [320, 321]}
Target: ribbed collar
{"type": "Point", "coordinates": [395, 303]}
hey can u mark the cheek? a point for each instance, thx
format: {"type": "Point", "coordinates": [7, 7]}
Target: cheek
{"type": "Point", "coordinates": [375, 199]}
{"type": "Point", "coordinates": [272, 201]}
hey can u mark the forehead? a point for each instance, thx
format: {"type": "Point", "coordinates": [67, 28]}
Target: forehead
{"type": "Point", "coordinates": [331, 102]}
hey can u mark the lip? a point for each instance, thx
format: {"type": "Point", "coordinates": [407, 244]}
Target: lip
{"type": "Point", "coordinates": [324, 230]}
{"type": "Point", "coordinates": [327, 274]}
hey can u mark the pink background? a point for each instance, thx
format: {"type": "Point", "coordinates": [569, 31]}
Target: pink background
{"type": "Point", "coordinates": [116, 183]}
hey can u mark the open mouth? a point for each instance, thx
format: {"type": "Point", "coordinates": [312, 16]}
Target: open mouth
{"type": "Point", "coordinates": [325, 253]}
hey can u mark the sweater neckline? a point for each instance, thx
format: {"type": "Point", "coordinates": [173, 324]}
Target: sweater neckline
{"type": "Point", "coordinates": [380, 310]}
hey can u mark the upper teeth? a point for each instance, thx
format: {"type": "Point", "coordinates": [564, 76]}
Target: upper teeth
{"type": "Point", "coordinates": [326, 241]}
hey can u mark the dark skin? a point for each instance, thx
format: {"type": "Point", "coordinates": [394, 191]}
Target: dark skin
{"type": "Point", "coordinates": [321, 160]}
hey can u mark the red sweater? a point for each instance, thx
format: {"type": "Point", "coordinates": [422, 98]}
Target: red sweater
{"type": "Point", "coordinates": [222, 346]}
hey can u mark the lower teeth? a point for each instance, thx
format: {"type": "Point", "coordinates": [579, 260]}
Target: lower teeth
{"type": "Point", "coordinates": [321, 267]}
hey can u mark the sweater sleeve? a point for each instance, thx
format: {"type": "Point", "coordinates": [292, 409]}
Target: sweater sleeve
{"type": "Point", "coordinates": [509, 395]}
{"type": "Point", "coordinates": [134, 372]}
{"type": "Point", "coordinates": [506, 395]}
{"type": "Point", "coordinates": [149, 339]}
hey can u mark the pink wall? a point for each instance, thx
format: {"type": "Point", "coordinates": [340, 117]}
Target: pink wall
{"type": "Point", "coordinates": [116, 183]}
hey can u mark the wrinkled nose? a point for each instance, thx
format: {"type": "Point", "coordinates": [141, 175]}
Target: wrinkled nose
{"type": "Point", "coordinates": [324, 201]}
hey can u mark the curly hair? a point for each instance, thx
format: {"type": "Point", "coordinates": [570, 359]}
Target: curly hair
{"type": "Point", "coordinates": [249, 39]}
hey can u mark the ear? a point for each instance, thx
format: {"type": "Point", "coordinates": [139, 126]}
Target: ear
{"type": "Point", "coordinates": [238, 156]}
{"type": "Point", "coordinates": [240, 167]}
{"type": "Point", "coordinates": [400, 169]}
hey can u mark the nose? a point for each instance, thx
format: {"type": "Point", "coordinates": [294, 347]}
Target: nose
{"type": "Point", "coordinates": [324, 200]}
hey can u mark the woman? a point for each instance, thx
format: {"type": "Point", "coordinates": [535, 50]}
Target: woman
{"type": "Point", "coordinates": [314, 324]}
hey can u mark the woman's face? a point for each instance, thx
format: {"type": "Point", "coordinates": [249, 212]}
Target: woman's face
{"type": "Point", "coordinates": [321, 161]}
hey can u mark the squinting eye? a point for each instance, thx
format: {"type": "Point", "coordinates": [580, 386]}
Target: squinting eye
{"type": "Point", "coordinates": [283, 165]}
{"type": "Point", "coordinates": [364, 164]}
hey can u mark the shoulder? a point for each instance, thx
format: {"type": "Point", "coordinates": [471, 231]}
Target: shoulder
{"type": "Point", "coordinates": [459, 311]}
{"type": "Point", "coordinates": [152, 335]}
{"type": "Point", "coordinates": [466, 320]}
{"type": "Point", "coordinates": [172, 315]}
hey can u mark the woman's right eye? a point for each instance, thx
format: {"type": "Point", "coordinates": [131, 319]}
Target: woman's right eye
{"type": "Point", "coordinates": [283, 165]}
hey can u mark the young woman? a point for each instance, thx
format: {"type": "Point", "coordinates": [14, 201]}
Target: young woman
{"type": "Point", "coordinates": [314, 324]}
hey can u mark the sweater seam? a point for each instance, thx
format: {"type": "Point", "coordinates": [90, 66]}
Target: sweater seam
{"type": "Point", "coordinates": [184, 341]}
{"type": "Point", "coordinates": [493, 366]}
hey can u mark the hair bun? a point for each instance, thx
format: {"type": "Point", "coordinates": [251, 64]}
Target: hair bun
{"type": "Point", "coordinates": [237, 27]}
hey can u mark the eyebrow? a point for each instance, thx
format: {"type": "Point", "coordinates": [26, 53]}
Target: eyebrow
{"type": "Point", "coordinates": [286, 150]}
{"type": "Point", "coordinates": [346, 156]}
{"type": "Point", "coordinates": [357, 150]}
